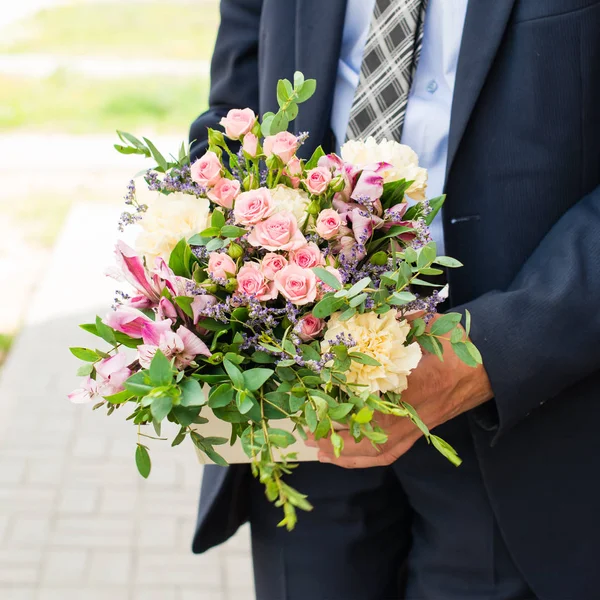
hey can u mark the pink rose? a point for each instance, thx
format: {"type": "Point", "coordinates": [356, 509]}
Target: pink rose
{"type": "Point", "coordinates": [317, 180]}
{"type": "Point", "coordinates": [283, 145]}
{"type": "Point", "coordinates": [253, 206]}
{"type": "Point", "coordinates": [250, 144]}
{"type": "Point", "coordinates": [271, 263]}
{"type": "Point", "coordinates": [294, 166]}
{"type": "Point", "coordinates": [251, 282]}
{"type": "Point", "coordinates": [309, 327]}
{"type": "Point", "coordinates": [238, 122]}
{"type": "Point", "coordinates": [279, 232]}
{"type": "Point", "coordinates": [224, 192]}
{"type": "Point", "coordinates": [307, 256]}
{"type": "Point", "coordinates": [296, 284]}
{"type": "Point", "coordinates": [221, 265]}
{"type": "Point", "coordinates": [329, 223]}
{"type": "Point", "coordinates": [206, 171]}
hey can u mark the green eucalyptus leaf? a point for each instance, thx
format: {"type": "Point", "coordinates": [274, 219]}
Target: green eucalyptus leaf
{"type": "Point", "coordinates": [254, 379]}
{"type": "Point", "coordinates": [85, 354]}
{"type": "Point", "coordinates": [448, 261]}
{"type": "Point", "coordinates": [327, 278]}
{"type": "Point", "coordinates": [160, 372]}
{"type": "Point", "coordinates": [307, 90]}
{"type": "Point", "coordinates": [445, 323]}
{"type": "Point", "coordinates": [161, 406]}
{"type": "Point", "coordinates": [142, 461]}
{"type": "Point", "coordinates": [280, 438]}
{"type": "Point", "coordinates": [221, 396]}
{"type": "Point", "coordinates": [192, 393]}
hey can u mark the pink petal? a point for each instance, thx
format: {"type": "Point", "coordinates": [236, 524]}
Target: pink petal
{"type": "Point", "coordinates": [192, 343]}
{"type": "Point", "coordinates": [134, 271]}
{"type": "Point", "coordinates": [152, 331]}
{"type": "Point", "coordinates": [106, 367]}
{"type": "Point", "coordinates": [368, 187]}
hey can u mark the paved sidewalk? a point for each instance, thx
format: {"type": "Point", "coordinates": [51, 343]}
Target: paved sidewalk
{"type": "Point", "coordinates": [76, 521]}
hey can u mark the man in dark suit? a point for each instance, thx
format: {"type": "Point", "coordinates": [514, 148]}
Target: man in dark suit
{"type": "Point", "coordinates": [521, 167]}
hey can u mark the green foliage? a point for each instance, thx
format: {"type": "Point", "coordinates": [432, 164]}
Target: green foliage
{"type": "Point", "coordinates": [142, 461]}
{"type": "Point", "coordinates": [288, 98]}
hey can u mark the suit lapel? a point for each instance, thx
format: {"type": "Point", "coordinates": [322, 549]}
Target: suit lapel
{"type": "Point", "coordinates": [319, 28]}
{"type": "Point", "coordinates": [485, 24]}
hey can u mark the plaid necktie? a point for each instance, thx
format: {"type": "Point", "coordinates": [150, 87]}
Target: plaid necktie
{"type": "Point", "coordinates": [389, 62]}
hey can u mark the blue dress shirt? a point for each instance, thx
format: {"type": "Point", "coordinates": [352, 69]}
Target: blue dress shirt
{"type": "Point", "coordinates": [427, 120]}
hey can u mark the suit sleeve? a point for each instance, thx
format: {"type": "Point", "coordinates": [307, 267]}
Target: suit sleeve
{"type": "Point", "coordinates": [542, 335]}
{"type": "Point", "coordinates": [234, 68]}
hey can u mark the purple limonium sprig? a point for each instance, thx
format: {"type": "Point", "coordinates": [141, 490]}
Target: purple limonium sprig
{"type": "Point", "coordinates": [130, 198]}
{"type": "Point", "coordinates": [302, 137]}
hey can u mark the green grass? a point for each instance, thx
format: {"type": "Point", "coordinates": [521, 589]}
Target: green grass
{"type": "Point", "coordinates": [154, 29]}
{"type": "Point", "coordinates": [6, 341]}
{"type": "Point", "coordinates": [69, 103]}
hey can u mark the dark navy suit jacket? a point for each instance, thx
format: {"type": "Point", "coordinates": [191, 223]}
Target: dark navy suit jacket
{"type": "Point", "coordinates": [523, 214]}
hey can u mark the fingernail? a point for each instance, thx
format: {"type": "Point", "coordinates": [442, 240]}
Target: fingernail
{"type": "Point", "coordinates": [324, 458]}
{"type": "Point", "coordinates": [310, 443]}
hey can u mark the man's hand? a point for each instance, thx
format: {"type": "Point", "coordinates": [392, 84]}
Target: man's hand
{"type": "Point", "coordinates": [439, 391]}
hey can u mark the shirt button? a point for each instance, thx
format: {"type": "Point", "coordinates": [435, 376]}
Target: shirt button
{"type": "Point", "coordinates": [432, 86]}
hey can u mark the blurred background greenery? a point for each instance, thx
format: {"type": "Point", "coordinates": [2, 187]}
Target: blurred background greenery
{"type": "Point", "coordinates": [71, 73]}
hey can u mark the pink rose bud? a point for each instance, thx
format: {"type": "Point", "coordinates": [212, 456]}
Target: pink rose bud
{"type": "Point", "coordinates": [224, 192]}
{"type": "Point", "coordinates": [271, 263]}
{"type": "Point", "coordinates": [329, 223]}
{"type": "Point", "coordinates": [296, 284]}
{"type": "Point", "coordinates": [283, 145]}
{"type": "Point", "coordinates": [220, 265]}
{"type": "Point", "coordinates": [253, 206]}
{"type": "Point", "coordinates": [294, 166]}
{"type": "Point", "coordinates": [279, 232]}
{"type": "Point", "coordinates": [309, 327]}
{"type": "Point", "coordinates": [317, 180]}
{"type": "Point", "coordinates": [238, 122]}
{"type": "Point", "coordinates": [252, 282]}
{"type": "Point", "coordinates": [307, 256]}
{"type": "Point", "coordinates": [250, 144]}
{"type": "Point", "coordinates": [206, 171]}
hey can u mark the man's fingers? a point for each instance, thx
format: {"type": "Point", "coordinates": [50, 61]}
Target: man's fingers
{"type": "Point", "coordinates": [351, 447]}
{"type": "Point", "coordinates": [384, 456]}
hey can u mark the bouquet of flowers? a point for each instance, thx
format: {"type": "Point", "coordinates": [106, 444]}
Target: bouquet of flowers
{"type": "Point", "coordinates": [268, 287]}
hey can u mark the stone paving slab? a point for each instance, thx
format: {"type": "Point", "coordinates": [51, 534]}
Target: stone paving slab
{"type": "Point", "coordinates": [76, 520]}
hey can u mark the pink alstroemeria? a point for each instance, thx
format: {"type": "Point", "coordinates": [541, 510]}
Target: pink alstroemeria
{"type": "Point", "coordinates": [200, 304]}
{"type": "Point", "coordinates": [86, 393]}
{"type": "Point", "coordinates": [393, 216]}
{"type": "Point", "coordinates": [149, 283]}
{"type": "Point", "coordinates": [166, 310]}
{"type": "Point", "coordinates": [182, 345]}
{"type": "Point", "coordinates": [113, 372]}
{"type": "Point", "coordinates": [135, 273]}
{"type": "Point", "coordinates": [135, 323]}
{"type": "Point", "coordinates": [341, 169]}
{"type": "Point", "coordinates": [368, 188]}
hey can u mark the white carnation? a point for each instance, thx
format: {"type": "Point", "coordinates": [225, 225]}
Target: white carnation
{"type": "Point", "coordinates": [168, 220]}
{"type": "Point", "coordinates": [381, 337]}
{"type": "Point", "coordinates": [291, 200]}
{"type": "Point", "coordinates": [404, 161]}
